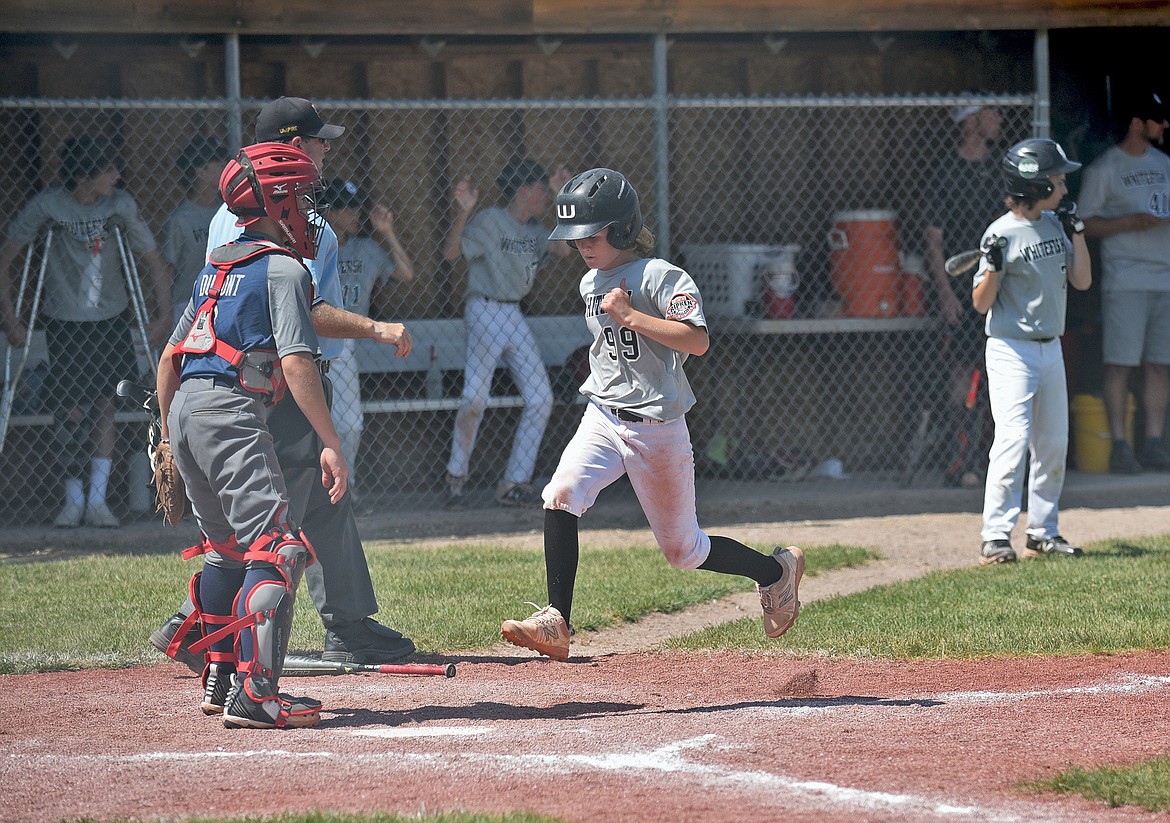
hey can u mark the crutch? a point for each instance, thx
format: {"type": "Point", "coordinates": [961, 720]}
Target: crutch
{"type": "Point", "coordinates": [12, 374]}
{"type": "Point", "coordinates": [137, 299]}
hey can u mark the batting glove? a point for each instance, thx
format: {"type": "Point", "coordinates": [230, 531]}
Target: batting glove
{"type": "Point", "coordinates": [1072, 222]}
{"type": "Point", "coordinates": [992, 249]}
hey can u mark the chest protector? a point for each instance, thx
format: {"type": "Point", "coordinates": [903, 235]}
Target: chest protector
{"type": "Point", "coordinates": [258, 370]}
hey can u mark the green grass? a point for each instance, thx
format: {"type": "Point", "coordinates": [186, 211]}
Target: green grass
{"type": "Point", "coordinates": [1111, 600]}
{"type": "Point", "coordinates": [97, 611]}
{"type": "Point", "coordinates": [1145, 784]}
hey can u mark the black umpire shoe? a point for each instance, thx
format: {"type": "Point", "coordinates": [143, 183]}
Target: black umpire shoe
{"type": "Point", "coordinates": [366, 641]}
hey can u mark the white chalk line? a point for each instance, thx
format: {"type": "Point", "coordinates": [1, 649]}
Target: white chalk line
{"type": "Point", "coordinates": [666, 759]}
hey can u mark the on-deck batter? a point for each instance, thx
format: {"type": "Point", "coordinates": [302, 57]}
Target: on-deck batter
{"type": "Point", "coordinates": [1021, 287]}
{"type": "Point", "coordinates": [646, 318]}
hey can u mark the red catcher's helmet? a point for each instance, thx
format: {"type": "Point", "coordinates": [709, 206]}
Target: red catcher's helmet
{"type": "Point", "coordinates": [279, 181]}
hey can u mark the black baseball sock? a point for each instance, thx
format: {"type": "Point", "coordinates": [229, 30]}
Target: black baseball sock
{"type": "Point", "coordinates": [732, 557]}
{"type": "Point", "coordinates": [561, 554]}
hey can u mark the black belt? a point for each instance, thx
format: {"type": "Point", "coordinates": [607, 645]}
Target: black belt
{"type": "Point", "coordinates": [504, 302]}
{"type": "Point", "coordinates": [323, 366]}
{"type": "Point", "coordinates": [1044, 340]}
{"type": "Point", "coordinates": [627, 416]}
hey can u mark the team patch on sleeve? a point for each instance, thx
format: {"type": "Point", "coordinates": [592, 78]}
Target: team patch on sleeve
{"type": "Point", "coordinates": [681, 306]}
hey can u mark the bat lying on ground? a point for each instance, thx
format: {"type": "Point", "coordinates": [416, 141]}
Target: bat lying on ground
{"type": "Point", "coordinates": [965, 261]}
{"type": "Point", "coordinates": [296, 665]}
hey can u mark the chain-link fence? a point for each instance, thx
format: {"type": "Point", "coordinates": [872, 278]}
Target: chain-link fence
{"type": "Point", "coordinates": [802, 220]}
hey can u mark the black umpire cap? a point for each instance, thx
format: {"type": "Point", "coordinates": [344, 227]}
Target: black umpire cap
{"type": "Point", "coordinates": [288, 117]}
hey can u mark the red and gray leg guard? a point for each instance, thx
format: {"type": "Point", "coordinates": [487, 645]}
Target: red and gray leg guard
{"type": "Point", "coordinates": [264, 613]}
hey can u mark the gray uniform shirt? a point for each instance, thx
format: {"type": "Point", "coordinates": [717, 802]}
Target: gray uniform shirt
{"type": "Point", "coordinates": [502, 255]}
{"type": "Point", "coordinates": [627, 370]}
{"type": "Point", "coordinates": [183, 243]}
{"type": "Point", "coordinates": [363, 266]}
{"type": "Point", "coordinates": [84, 278]}
{"type": "Point", "coordinates": [1033, 286]}
{"type": "Point", "coordinates": [1117, 184]}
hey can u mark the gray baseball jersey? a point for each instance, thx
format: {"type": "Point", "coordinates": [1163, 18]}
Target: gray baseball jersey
{"type": "Point", "coordinates": [1117, 184]}
{"type": "Point", "coordinates": [1033, 285]}
{"type": "Point", "coordinates": [84, 279]}
{"type": "Point", "coordinates": [502, 255]}
{"type": "Point", "coordinates": [627, 370]}
{"type": "Point", "coordinates": [183, 243]}
{"type": "Point", "coordinates": [363, 265]}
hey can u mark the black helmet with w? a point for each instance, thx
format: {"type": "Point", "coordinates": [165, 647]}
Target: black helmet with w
{"type": "Point", "coordinates": [595, 200]}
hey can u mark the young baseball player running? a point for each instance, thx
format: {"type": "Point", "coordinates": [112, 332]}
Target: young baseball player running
{"type": "Point", "coordinates": [646, 317]}
{"type": "Point", "coordinates": [245, 337]}
{"type": "Point", "coordinates": [1031, 255]}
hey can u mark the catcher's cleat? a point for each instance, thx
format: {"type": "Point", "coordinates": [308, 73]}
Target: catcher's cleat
{"type": "Point", "coordinates": [100, 516]}
{"type": "Point", "coordinates": [780, 600]}
{"type": "Point", "coordinates": [70, 516]}
{"type": "Point", "coordinates": [164, 634]}
{"type": "Point", "coordinates": [217, 682]}
{"type": "Point", "coordinates": [242, 711]}
{"type": "Point", "coordinates": [519, 495]}
{"type": "Point", "coordinates": [997, 551]}
{"type": "Point", "coordinates": [1055, 546]}
{"type": "Point", "coordinates": [362, 643]}
{"type": "Point", "coordinates": [545, 631]}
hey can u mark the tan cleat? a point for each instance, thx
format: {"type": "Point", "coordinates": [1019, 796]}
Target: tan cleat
{"type": "Point", "coordinates": [545, 631]}
{"type": "Point", "coordinates": [779, 601]}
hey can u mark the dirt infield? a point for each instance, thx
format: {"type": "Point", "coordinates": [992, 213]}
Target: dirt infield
{"type": "Point", "coordinates": [653, 738]}
{"type": "Point", "coordinates": [624, 733]}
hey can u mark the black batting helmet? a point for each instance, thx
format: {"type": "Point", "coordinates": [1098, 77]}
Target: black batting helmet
{"type": "Point", "coordinates": [594, 200]}
{"type": "Point", "coordinates": [1029, 165]}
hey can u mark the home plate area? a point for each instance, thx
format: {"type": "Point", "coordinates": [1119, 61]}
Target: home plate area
{"type": "Point", "coordinates": [645, 737]}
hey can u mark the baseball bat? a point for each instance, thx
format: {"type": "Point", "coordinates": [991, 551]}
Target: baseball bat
{"type": "Point", "coordinates": [962, 263]}
{"type": "Point", "coordinates": [296, 665]}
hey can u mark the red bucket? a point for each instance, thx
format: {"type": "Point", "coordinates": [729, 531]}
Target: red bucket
{"type": "Point", "coordinates": [863, 252]}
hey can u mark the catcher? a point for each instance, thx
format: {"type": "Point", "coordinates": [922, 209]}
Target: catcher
{"type": "Point", "coordinates": [246, 337]}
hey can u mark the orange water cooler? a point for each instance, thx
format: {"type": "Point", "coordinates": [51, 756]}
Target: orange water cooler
{"type": "Point", "coordinates": [863, 253]}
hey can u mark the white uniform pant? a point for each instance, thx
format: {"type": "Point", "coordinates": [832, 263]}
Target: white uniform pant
{"type": "Point", "coordinates": [498, 331]}
{"type": "Point", "coordinates": [1029, 402]}
{"type": "Point", "coordinates": [661, 464]}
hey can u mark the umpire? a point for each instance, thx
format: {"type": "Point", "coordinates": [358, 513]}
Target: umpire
{"type": "Point", "coordinates": [339, 583]}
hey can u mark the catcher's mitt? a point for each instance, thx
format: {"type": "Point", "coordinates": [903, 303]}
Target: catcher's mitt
{"type": "Point", "coordinates": [170, 495]}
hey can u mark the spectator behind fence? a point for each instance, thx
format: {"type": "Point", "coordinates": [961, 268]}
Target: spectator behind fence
{"type": "Point", "coordinates": [1125, 200]}
{"type": "Point", "coordinates": [505, 248]}
{"type": "Point", "coordinates": [645, 316]}
{"type": "Point", "coordinates": [183, 240]}
{"type": "Point", "coordinates": [964, 192]}
{"type": "Point", "coordinates": [365, 264]}
{"type": "Point", "coordinates": [339, 582]}
{"type": "Point", "coordinates": [85, 306]}
{"type": "Point", "coordinates": [1032, 255]}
